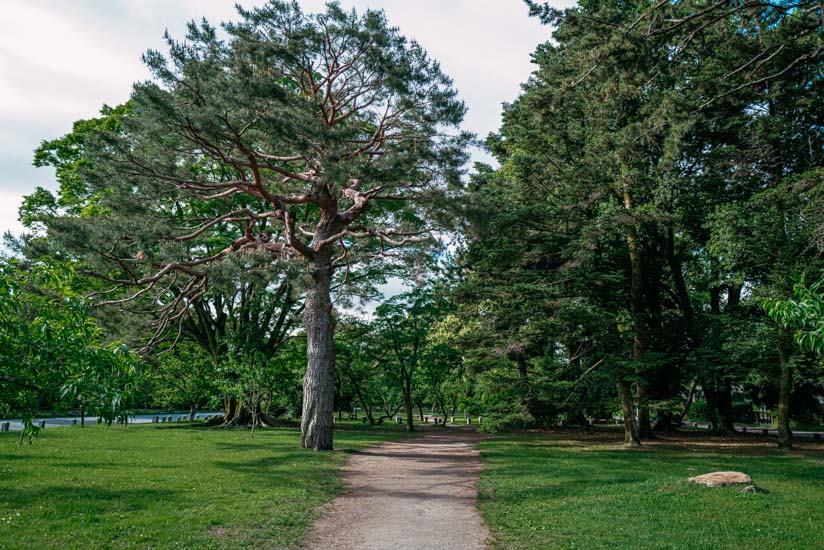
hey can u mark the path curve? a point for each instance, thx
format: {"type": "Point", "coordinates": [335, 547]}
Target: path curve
{"type": "Point", "coordinates": [414, 494]}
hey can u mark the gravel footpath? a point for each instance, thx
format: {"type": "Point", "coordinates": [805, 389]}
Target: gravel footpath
{"type": "Point", "coordinates": [414, 494]}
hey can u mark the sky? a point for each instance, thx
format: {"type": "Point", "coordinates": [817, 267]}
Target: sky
{"type": "Point", "coordinates": [60, 60]}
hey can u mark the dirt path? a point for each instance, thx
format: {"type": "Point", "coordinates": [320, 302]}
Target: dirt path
{"type": "Point", "coordinates": [412, 494]}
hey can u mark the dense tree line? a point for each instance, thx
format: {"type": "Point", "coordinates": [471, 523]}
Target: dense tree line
{"type": "Point", "coordinates": [647, 247]}
{"type": "Point", "coordinates": [660, 177]}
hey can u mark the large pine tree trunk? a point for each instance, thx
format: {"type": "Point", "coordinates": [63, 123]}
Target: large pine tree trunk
{"type": "Point", "coordinates": [319, 381]}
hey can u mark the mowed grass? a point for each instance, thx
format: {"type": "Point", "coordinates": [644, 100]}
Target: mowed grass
{"type": "Point", "coordinates": [167, 486]}
{"type": "Point", "coordinates": [585, 491]}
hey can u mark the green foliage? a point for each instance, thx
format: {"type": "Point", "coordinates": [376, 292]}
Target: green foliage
{"type": "Point", "coordinates": [264, 383]}
{"type": "Point", "coordinates": [803, 314]}
{"type": "Point", "coordinates": [657, 180]}
{"type": "Point", "coordinates": [52, 351]}
{"type": "Point", "coordinates": [185, 376]}
{"type": "Point", "coordinates": [234, 146]}
{"type": "Point", "coordinates": [660, 179]}
{"type": "Point", "coordinates": [68, 157]}
{"type": "Point", "coordinates": [400, 358]}
{"type": "Point", "coordinates": [291, 145]}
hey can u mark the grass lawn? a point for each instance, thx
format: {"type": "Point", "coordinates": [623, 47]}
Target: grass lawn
{"type": "Point", "coordinates": [585, 491]}
{"type": "Point", "coordinates": [167, 486]}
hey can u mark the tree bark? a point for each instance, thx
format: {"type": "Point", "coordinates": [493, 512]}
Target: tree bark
{"type": "Point", "coordinates": [319, 381]}
{"type": "Point", "coordinates": [685, 409]}
{"type": "Point", "coordinates": [644, 422]}
{"type": "Point", "coordinates": [725, 408]}
{"type": "Point", "coordinates": [711, 397]}
{"type": "Point", "coordinates": [407, 402]}
{"type": "Point", "coordinates": [642, 427]}
{"type": "Point", "coordinates": [631, 436]}
{"type": "Point", "coordinates": [367, 409]}
{"type": "Point", "coordinates": [232, 410]}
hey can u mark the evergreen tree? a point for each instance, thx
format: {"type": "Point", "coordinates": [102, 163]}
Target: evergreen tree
{"type": "Point", "coordinates": [317, 139]}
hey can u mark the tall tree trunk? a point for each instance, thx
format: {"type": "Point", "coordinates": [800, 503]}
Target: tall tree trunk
{"type": "Point", "coordinates": [232, 410]}
{"type": "Point", "coordinates": [711, 397]}
{"type": "Point", "coordinates": [82, 416]}
{"type": "Point", "coordinates": [785, 388]}
{"type": "Point", "coordinates": [367, 409]}
{"type": "Point", "coordinates": [681, 290]}
{"type": "Point", "coordinates": [237, 412]}
{"type": "Point", "coordinates": [733, 297]}
{"type": "Point", "coordinates": [685, 304]}
{"type": "Point", "coordinates": [520, 360]}
{"type": "Point", "coordinates": [644, 422]}
{"type": "Point", "coordinates": [725, 408]}
{"type": "Point", "coordinates": [407, 402]}
{"type": "Point", "coordinates": [631, 436]}
{"type": "Point", "coordinates": [639, 344]}
{"type": "Point", "coordinates": [685, 409]}
{"type": "Point", "coordinates": [725, 396]}
{"type": "Point", "coordinates": [319, 381]}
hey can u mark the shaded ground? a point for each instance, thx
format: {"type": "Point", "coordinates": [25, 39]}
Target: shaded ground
{"type": "Point", "coordinates": [414, 494]}
{"type": "Point", "coordinates": [749, 443]}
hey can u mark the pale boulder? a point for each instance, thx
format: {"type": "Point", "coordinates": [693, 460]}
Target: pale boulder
{"type": "Point", "coordinates": [722, 479]}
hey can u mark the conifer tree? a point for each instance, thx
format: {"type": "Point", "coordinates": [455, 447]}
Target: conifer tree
{"type": "Point", "coordinates": [312, 139]}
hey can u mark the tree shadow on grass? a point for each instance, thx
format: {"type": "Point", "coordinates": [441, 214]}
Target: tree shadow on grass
{"type": "Point", "coordinates": [400, 454]}
{"type": "Point", "coordinates": [46, 462]}
{"type": "Point", "coordinates": [22, 457]}
{"type": "Point", "coordinates": [91, 499]}
{"type": "Point", "coordinates": [292, 464]}
{"type": "Point", "coordinates": [268, 446]}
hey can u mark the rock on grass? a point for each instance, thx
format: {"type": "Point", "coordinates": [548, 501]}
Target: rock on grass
{"type": "Point", "coordinates": [722, 479]}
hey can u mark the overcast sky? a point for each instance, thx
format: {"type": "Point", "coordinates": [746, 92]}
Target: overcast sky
{"type": "Point", "coordinates": [60, 60]}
